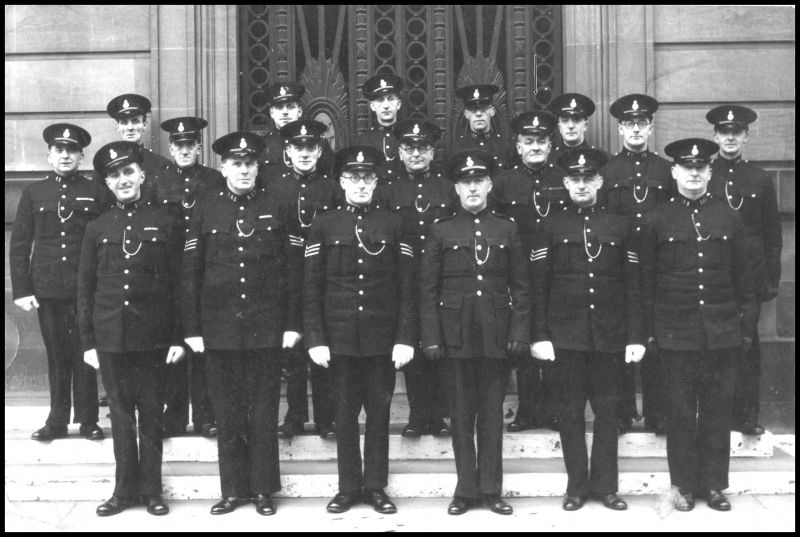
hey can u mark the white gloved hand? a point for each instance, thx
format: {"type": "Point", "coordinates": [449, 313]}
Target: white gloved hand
{"type": "Point", "coordinates": [290, 339]}
{"type": "Point", "coordinates": [90, 357]}
{"type": "Point", "coordinates": [27, 302]}
{"type": "Point", "coordinates": [402, 354]}
{"type": "Point", "coordinates": [195, 343]}
{"type": "Point", "coordinates": [175, 354]}
{"type": "Point", "coordinates": [321, 355]}
{"type": "Point", "coordinates": [634, 353]}
{"type": "Point", "coordinates": [543, 350]}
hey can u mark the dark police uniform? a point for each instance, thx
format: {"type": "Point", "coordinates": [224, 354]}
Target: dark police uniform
{"type": "Point", "coordinates": [635, 183]}
{"type": "Point", "coordinates": [746, 188]}
{"type": "Point", "coordinates": [698, 304]}
{"type": "Point", "coordinates": [570, 104]}
{"type": "Point", "coordinates": [504, 153]}
{"type": "Point", "coordinates": [382, 137]}
{"type": "Point", "coordinates": [421, 198]}
{"type": "Point", "coordinates": [179, 191]}
{"type": "Point", "coordinates": [529, 196]}
{"type": "Point", "coordinates": [587, 302]}
{"type": "Point", "coordinates": [127, 311]}
{"type": "Point", "coordinates": [43, 256]}
{"type": "Point", "coordinates": [241, 292]}
{"type": "Point", "coordinates": [474, 301]}
{"type": "Point", "coordinates": [358, 301]}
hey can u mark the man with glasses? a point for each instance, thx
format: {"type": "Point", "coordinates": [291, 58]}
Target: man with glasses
{"type": "Point", "coordinates": [573, 111]}
{"type": "Point", "coordinates": [383, 92]}
{"type": "Point", "coordinates": [636, 180]}
{"type": "Point", "coordinates": [359, 319]}
{"type": "Point", "coordinates": [421, 196]}
{"type": "Point", "coordinates": [746, 188]}
{"type": "Point", "coordinates": [474, 316]}
{"type": "Point", "coordinates": [479, 111]}
{"type": "Point", "coordinates": [700, 311]}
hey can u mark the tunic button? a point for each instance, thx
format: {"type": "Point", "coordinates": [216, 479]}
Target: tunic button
{"type": "Point", "coordinates": [588, 231]}
{"type": "Point", "coordinates": [127, 256]}
{"type": "Point", "coordinates": [63, 259]}
{"type": "Point", "coordinates": [360, 260]}
{"type": "Point", "coordinates": [700, 286]}
{"type": "Point", "coordinates": [127, 241]}
{"type": "Point", "coordinates": [130, 214]}
{"type": "Point", "coordinates": [63, 245]}
{"type": "Point", "coordinates": [303, 185]}
{"type": "Point", "coordinates": [241, 265]}
{"type": "Point", "coordinates": [477, 221]}
{"type": "Point", "coordinates": [302, 198]}
{"type": "Point", "coordinates": [700, 254]}
{"type": "Point", "coordinates": [591, 306]}
{"type": "Point", "coordinates": [638, 215]}
{"type": "Point", "coordinates": [244, 296]}
{"type": "Point", "coordinates": [126, 302]}
{"type": "Point", "coordinates": [241, 248]}
{"type": "Point", "coordinates": [419, 185]}
{"type": "Point", "coordinates": [700, 270]}
{"type": "Point", "coordinates": [241, 280]}
{"type": "Point", "coordinates": [360, 292]}
{"type": "Point", "coordinates": [478, 233]}
{"type": "Point", "coordinates": [422, 222]}
{"type": "Point", "coordinates": [125, 286]}
{"type": "Point", "coordinates": [360, 276]}
{"type": "Point", "coordinates": [419, 196]}
{"type": "Point", "coordinates": [479, 247]}
{"type": "Point", "coordinates": [241, 208]}
{"type": "Point", "coordinates": [185, 217]}
{"type": "Point", "coordinates": [730, 182]}
{"type": "Point", "coordinates": [359, 217]}
{"type": "Point", "coordinates": [361, 308]}
{"type": "Point", "coordinates": [702, 302]}
{"type": "Point", "coordinates": [589, 244]}
{"type": "Point", "coordinates": [586, 218]}
{"type": "Point", "coordinates": [422, 237]}
{"type": "Point", "coordinates": [699, 239]}
{"type": "Point", "coordinates": [63, 233]}
{"type": "Point", "coordinates": [126, 271]}
{"type": "Point", "coordinates": [480, 277]}
{"type": "Point", "coordinates": [361, 231]}
{"type": "Point", "coordinates": [591, 274]}
{"type": "Point", "coordinates": [303, 212]}
{"type": "Point", "coordinates": [479, 293]}
{"type": "Point", "coordinates": [591, 260]}
{"type": "Point", "coordinates": [63, 195]}
{"type": "Point", "coordinates": [591, 290]}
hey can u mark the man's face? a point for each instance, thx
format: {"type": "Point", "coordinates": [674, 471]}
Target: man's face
{"type": "Point", "coordinates": [635, 133]}
{"type": "Point", "coordinates": [572, 129]}
{"type": "Point", "coordinates": [64, 159]}
{"type": "Point", "coordinates": [583, 188]}
{"type": "Point", "coordinates": [416, 156]}
{"type": "Point", "coordinates": [731, 141]}
{"type": "Point", "coordinates": [474, 192]}
{"type": "Point", "coordinates": [480, 119]}
{"type": "Point", "coordinates": [285, 112]}
{"type": "Point", "coordinates": [131, 128]}
{"type": "Point", "coordinates": [692, 178]}
{"type": "Point", "coordinates": [125, 182]}
{"type": "Point", "coordinates": [185, 152]}
{"type": "Point", "coordinates": [240, 173]}
{"type": "Point", "coordinates": [534, 149]}
{"type": "Point", "coordinates": [386, 108]}
{"type": "Point", "coordinates": [358, 186]}
{"type": "Point", "coordinates": [304, 157]}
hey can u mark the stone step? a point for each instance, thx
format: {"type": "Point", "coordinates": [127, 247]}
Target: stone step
{"type": "Point", "coordinates": [407, 479]}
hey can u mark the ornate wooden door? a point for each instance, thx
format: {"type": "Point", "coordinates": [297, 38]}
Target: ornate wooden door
{"type": "Point", "coordinates": [332, 50]}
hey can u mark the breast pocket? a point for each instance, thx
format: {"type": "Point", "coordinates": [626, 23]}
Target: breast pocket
{"type": "Point", "coordinates": [152, 241]}
{"type": "Point", "coordinates": [219, 238]}
{"type": "Point", "coordinates": [568, 251]}
{"type": "Point", "coordinates": [611, 255]}
{"type": "Point", "coordinates": [673, 250]}
{"type": "Point", "coordinates": [46, 219]}
{"type": "Point", "coordinates": [498, 253]}
{"type": "Point", "coordinates": [339, 258]}
{"type": "Point", "coordinates": [270, 234]}
{"type": "Point", "coordinates": [717, 249]}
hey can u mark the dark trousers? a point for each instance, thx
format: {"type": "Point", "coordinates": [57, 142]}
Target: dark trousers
{"type": "Point", "coordinates": [368, 382]}
{"type": "Point", "coordinates": [626, 405]}
{"type": "Point", "coordinates": [185, 377]}
{"type": "Point", "coordinates": [652, 386]}
{"type": "Point", "coordinates": [699, 391]}
{"type": "Point", "coordinates": [296, 364]}
{"type": "Point", "coordinates": [245, 390]}
{"type": "Point", "coordinates": [425, 389]}
{"type": "Point", "coordinates": [592, 376]}
{"type": "Point", "coordinates": [66, 370]}
{"type": "Point", "coordinates": [746, 403]}
{"type": "Point", "coordinates": [135, 381]}
{"type": "Point", "coordinates": [476, 388]}
{"type": "Point", "coordinates": [536, 391]}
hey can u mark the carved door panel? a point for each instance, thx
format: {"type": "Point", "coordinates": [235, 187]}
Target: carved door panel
{"type": "Point", "coordinates": [332, 50]}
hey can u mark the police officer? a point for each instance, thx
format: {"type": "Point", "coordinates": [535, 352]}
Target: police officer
{"type": "Point", "coordinates": [240, 301]}
{"type": "Point", "coordinates": [530, 193]}
{"type": "Point", "coordinates": [587, 319]}
{"type": "Point", "coordinates": [746, 188]}
{"type": "Point", "coordinates": [283, 99]}
{"type": "Point", "coordinates": [421, 195]}
{"type": "Point", "coordinates": [186, 184]}
{"type": "Point", "coordinates": [474, 313]}
{"type": "Point", "coordinates": [313, 192]}
{"type": "Point", "coordinates": [383, 92]}
{"type": "Point", "coordinates": [479, 110]}
{"type": "Point", "coordinates": [43, 256]}
{"type": "Point", "coordinates": [359, 319]}
{"type": "Point", "coordinates": [636, 180]}
{"type": "Point", "coordinates": [128, 317]}
{"type": "Point", "coordinates": [572, 111]}
{"type": "Point", "coordinates": [700, 312]}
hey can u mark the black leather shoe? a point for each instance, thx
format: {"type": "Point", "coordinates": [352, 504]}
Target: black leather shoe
{"type": "Point", "coordinates": [227, 505]}
{"type": "Point", "coordinates": [326, 432]}
{"type": "Point", "coordinates": [264, 505]}
{"type": "Point", "coordinates": [458, 506]}
{"type": "Point", "coordinates": [208, 430]}
{"type": "Point", "coordinates": [752, 428]}
{"type": "Point", "coordinates": [498, 505]}
{"type": "Point", "coordinates": [684, 501]}
{"type": "Point", "coordinates": [716, 500]}
{"type": "Point", "coordinates": [48, 433]}
{"type": "Point", "coordinates": [438, 427]}
{"type": "Point", "coordinates": [156, 505]}
{"type": "Point", "coordinates": [102, 400]}
{"type": "Point", "coordinates": [342, 502]}
{"type": "Point", "coordinates": [91, 431]}
{"type": "Point", "coordinates": [573, 503]}
{"type": "Point", "coordinates": [379, 501]}
{"type": "Point", "coordinates": [290, 429]}
{"type": "Point", "coordinates": [412, 430]}
{"type": "Point", "coordinates": [612, 501]}
{"type": "Point", "coordinates": [517, 426]}
{"type": "Point", "coordinates": [112, 506]}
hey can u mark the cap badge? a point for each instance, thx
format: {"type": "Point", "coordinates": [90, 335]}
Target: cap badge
{"type": "Point", "coordinates": [730, 115]}
{"type": "Point", "coordinates": [112, 154]}
{"type": "Point", "coordinates": [180, 127]}
{"type": "Point", "coordinates": [581, 160]}
{"type": "Point", "coordinates": [695, 152]}
{"type": "Point", "coordinates": [535, 121]}
{"type": "Point", "coordinates": [283, 91]}
{"type": "Point", "coordinates": [635, 105]}
{"type": "Point", "coordinates": [360, 156]}
{"type": "Point", "coordinates": [470, 163]}
{"type": "Point", "coordinates": [383, 83]}
{"type": "Point", "coordinates": [66, 133]}
{"type": "Point", "coordinates": [243, 143]}
{"type": "Point", "coordinates": [573, 104]}
{"type": "Point", "coordinates": [303, 130]}
{"type": "Point", "coordinates": [477, 94]}
{"type": "Point", "coordinates": [415, 130]}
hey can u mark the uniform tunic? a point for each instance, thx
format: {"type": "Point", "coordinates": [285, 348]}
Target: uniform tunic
{"type": "Point", "coordinates": [502, 150]}
{"type": "Point", "coordinates": [559, 147]}
{"type": "Point", "coordinates": [382, 139]}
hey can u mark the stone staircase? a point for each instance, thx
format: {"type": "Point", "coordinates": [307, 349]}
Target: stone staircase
{"type": "Point", "coordinates": [75, 469]}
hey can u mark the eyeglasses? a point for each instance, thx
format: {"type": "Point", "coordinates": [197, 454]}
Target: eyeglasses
{"type": "Point", "coordinates": [410, 148]}
{"type": "Point", "coordinates": [355, 179]}
{"type": "Point", "coordinates": [640, 123]}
